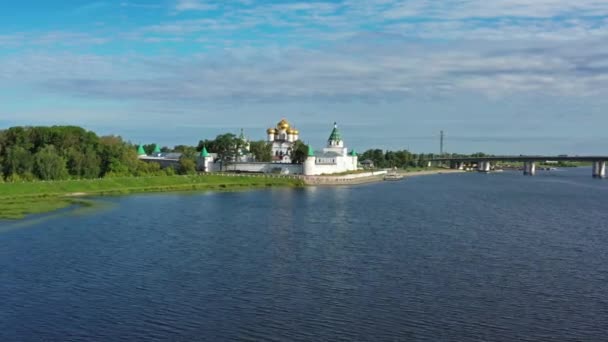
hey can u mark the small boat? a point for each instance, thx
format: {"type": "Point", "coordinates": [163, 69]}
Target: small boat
{"type": "Point", "coordinates": [392, 176]}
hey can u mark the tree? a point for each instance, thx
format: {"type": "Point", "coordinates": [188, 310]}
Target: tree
{"type": "Point", "coordinates": [227, 147]}
{"type": "Point", "coordinates": [117, 157]}
{"type": "Point", "coordinates": [83, 164]}
{"type": "Point", "coordinates": [187, 166]}
{"type": "Point", "coordinates": [209, 144]}
{"type": "Point", "coordinates": [261, 150]}
{"type": "Point", "coordinates": [187, 163]}
{"type": "Point", "coordinates": [18, 161]}
{"type": "Point", "coordinates": [184, 149]}
{"type": "Point", "coordinates": [299, 152]}
{"type": "Point", "coordinates": [376, 156]}
{"type": "Point", "coordinates": [48, 165]}
{"type": "Point", "coordinates": [149, 148]}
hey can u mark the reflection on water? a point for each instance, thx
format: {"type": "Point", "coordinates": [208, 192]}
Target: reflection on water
{"type": "Point", "coordinates": [463, 257]}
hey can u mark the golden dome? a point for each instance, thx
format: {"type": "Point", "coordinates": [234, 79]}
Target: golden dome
{"type": "Point", "coordinates": [296, 132]}
{"type": "Point", "coordinates": [291, 131]}
{"type": "Point", "coordinates": [271, 131]}
{"type": "Point", "coordinates": [283, 124]}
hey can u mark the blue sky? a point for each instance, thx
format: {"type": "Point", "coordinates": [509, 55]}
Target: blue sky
{"type": "Point", "coordinates": [500, 76]}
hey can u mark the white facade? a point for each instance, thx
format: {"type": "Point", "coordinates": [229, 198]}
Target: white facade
{"type": "Point", "coordinates": [283, 139]}
{"type": "Point", "coordinates": [334, 158]}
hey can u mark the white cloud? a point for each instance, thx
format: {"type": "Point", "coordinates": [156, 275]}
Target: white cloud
{"type": "Point", "coordinates": [496, 57]}
{"type": "Point", "coordinates": [194, 5]}
{"type": "Point", "coordinates": [495, 8]}
{"type": "Point", "coordinates": [360, 70]}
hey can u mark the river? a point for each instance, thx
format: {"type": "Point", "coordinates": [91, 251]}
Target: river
{"type": "Point", "coordinates": [459, 257]}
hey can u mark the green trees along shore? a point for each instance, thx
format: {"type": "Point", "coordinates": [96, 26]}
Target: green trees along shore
{"type": "Point", "coordinates": [62, 152]}
{"type": "Point", "coordinates": [47, 168]}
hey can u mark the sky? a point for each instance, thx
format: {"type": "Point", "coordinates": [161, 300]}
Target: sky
{"type": "Point", "coordinates": [500, 76]}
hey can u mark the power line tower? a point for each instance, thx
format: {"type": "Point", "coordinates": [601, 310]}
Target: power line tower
{"type": "Point", "coordinates": [441, 136]}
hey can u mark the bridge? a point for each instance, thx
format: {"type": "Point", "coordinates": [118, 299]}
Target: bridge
{"type": "Point", "coordinates": [484, 164]}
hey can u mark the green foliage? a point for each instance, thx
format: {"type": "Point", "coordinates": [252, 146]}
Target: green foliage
{"type": "Point", "coordinates": [83, 164]}
{"type": "Point", "coordinates": [400, 159]}
{"type": "Point", "coordinates": [28, 153]}
{"type": "Point", "coordinates": [149, 148]}
{"type": "Point", "coordinates": [187, 162]}
{"type": "Point", "coordinates": [18, 161]}
{"type": "Point", "coordinates": [21, 198]}
{"type": "Point", "coordinates": [227, 147]}
{"type": "Point", "coordinates": [299, 153]}
{"type": "Point", "coordinates": [117, 157]}
{"type": "Point", "coordinates": [261, 150]}
{"type": "Point", "coordinates": [376, 156]}
{"type": "Point", "coordinates": [209, 144]}
{"type": "Point", "coordinates": [49, 165]}
{"type": "Point", "coordinates": [184, 149]}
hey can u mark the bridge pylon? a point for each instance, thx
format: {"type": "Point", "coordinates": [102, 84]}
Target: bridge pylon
{"type": "Point", "coordinates": [599, 169]}
{"type": "Point", "coordinates": [529, 168]}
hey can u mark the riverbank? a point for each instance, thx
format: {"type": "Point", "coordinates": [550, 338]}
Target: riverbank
{"type": "Point", "coordinates": [406, 173]}
{"type": "Point", "coordinates": [371, 176]}
{"type": "Point", "coordinates": [20, 199]}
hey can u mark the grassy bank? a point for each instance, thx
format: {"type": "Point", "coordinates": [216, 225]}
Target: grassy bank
{"type": "Point", "coordinates": [20, 199]}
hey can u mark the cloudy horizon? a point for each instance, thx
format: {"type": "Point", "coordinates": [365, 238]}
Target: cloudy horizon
{"type": "Point", "coordinates": [503, 77]}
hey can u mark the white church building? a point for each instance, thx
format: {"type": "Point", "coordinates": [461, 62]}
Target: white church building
{"type": "Point", "coordinates": [333, 158]}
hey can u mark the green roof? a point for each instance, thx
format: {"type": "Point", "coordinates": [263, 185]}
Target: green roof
{"type": "Point", "coordinates": [353, 153]}
{"type": "Point", "coordinates": [204, 152]}
{"type": "Point", "coordinates": [335, 134]}
{"type": "Point", "coordinates": [156, 149]}
{"type": "Point", "coordinates": [311, 152]}
{"type": "Point", "coordinates": [141, 151]}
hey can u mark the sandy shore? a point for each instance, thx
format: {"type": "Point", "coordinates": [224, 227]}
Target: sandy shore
{"type": "Point", "coordinates": [341, 180]}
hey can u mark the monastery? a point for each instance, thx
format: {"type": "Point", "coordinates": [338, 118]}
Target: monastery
{"type": "Point", "coordinates": [333, 158]}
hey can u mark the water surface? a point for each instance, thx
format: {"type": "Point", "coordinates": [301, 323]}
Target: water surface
{"type": "Point", "coordinates": [464, 257]}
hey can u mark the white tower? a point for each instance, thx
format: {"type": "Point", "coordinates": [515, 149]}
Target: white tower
{"type": "Point", "coordinates": [309, 164]}
{"type": "Point", "coordinates": [205, 162]}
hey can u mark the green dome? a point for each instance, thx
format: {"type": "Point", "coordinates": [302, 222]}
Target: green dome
{"type": "Point", "coordinates": [156, 149]}
{"type": "Point", "coordinates": [141, 151]}
{"type": "Point", "coordinates": [353, 153]}
{"type": "Point", "coordinates": [335, 134]}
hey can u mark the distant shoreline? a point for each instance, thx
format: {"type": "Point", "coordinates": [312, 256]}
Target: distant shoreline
{"type": "Point", "coordinates": [341, 180]}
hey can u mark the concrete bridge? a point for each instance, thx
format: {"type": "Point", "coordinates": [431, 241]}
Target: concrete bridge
{"type": "Point", "coordinates": [484, 164]}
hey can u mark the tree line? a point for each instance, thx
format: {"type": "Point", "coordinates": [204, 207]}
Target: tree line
{"type": "Point", "coordinates": [63, 152]}
{"type": "Point", "coordinates": [70, 152]}
{"type": "Point", "coordinates": [404, 158]}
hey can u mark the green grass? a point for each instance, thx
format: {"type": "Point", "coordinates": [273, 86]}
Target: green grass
{"type": "Point", "coordinates": [17, 208]}
{"type": "Point", "coordinates": [20, 199]}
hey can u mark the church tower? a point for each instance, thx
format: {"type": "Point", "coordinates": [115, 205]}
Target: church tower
{"type": "Point", "coordinates": [335, 138]}
{"type": "Point", "coordinates": [205, 161]}
{"type": "Point", "coordinates": [335, 142]}
{"type": "Point", "coordinates": [309, 163]}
